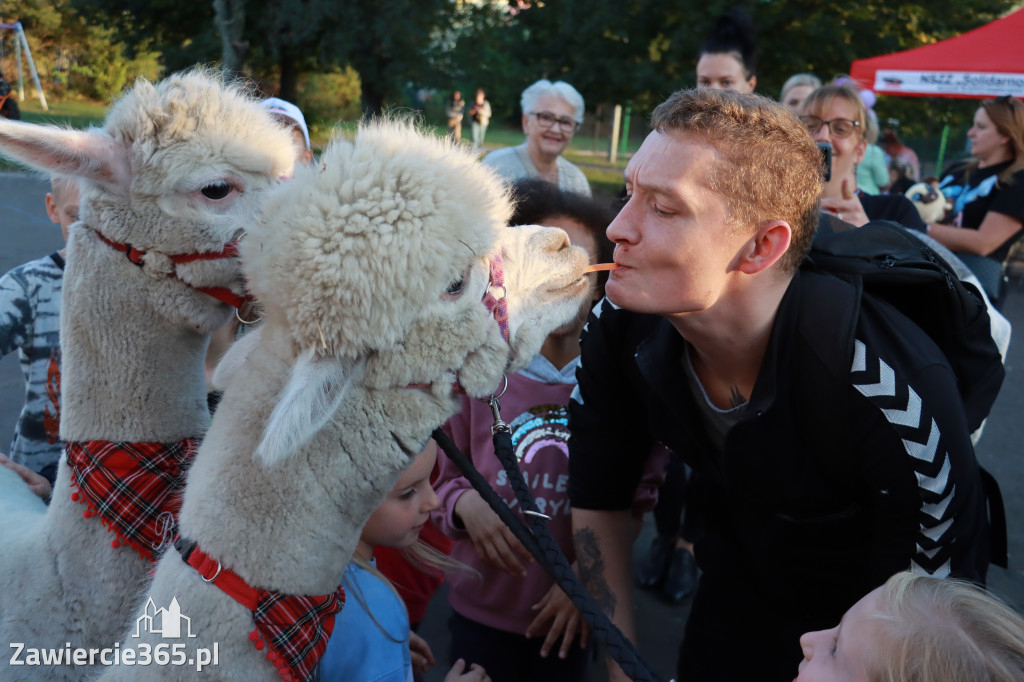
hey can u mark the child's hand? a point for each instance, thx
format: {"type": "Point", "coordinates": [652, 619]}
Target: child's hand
{"type": "Point", "coordinates": [419, 651]}
{"type": "Point", "coordinates": [36, 483]}
{"type": "Point", "coordinates": [494, 543]}
{"type": "Point", "coordinates": [475, 673]}
{"type": "Point", "coordinates": [565, 622]}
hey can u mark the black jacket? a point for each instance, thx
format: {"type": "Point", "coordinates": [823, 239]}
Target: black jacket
{"type": "Point", "coordinates": [793, 532]}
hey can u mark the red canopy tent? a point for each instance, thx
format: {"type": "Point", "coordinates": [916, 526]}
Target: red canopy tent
{"type": "Point", "coordinates": [985, 62]}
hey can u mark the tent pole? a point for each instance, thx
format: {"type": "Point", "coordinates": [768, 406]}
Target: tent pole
{"type": "Point", "coordinates": [942, 149]}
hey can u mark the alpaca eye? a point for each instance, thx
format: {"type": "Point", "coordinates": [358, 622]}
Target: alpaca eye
{"type": "Point", "coordinates": [216, 191]}
{"type": "Point", "coordinates": [455, 288]}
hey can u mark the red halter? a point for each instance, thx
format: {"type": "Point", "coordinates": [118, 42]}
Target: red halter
{"type": "Point", "coordinates": [223, 294]}
{"type": "Point", "coordinates": [498, 307]}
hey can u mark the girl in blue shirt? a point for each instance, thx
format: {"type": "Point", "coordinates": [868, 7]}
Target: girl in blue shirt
{"type": "Point", "coordinates": [371, 637]}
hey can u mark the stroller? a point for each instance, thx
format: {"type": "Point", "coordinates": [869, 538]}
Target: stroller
{"type": "Point", "coordinates": [8, 105]}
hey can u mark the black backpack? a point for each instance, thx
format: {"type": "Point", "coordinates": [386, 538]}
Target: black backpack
{"type": "Point", "coordinates": [885, 261]}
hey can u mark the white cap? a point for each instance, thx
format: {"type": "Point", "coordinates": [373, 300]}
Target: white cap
{"type": "Point", "coordinates": [278, 106]}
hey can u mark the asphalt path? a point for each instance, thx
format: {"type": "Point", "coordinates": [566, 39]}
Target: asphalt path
{"type": "Point", "coordinates": [26, 233]}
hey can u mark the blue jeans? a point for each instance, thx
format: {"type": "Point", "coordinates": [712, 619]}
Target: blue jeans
{"type": "Point", "coordinates": [479, 130]}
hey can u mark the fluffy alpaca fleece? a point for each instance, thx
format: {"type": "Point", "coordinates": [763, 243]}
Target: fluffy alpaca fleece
{"type": "Point", "coordinates": [372, 268]}
{"type": "Point", "coordinates": [176, 169]}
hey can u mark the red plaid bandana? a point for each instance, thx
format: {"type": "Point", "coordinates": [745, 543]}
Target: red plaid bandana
{"type": "Point", "coordinates": [295, 629]}
{"type": "Point", "coordinates": [133, 487]}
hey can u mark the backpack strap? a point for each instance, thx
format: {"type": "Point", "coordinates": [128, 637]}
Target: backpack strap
{"type": "Point", "coordinates": [829, 310]}
{"type": "Point", "coordinates": [998, 551]}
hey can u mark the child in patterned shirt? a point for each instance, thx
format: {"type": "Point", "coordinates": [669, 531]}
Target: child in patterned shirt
{"type": "Point", "coordinates": [30, 299]}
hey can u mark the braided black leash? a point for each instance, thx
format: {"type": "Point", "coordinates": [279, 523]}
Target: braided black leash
{"type": "Point", "coordinates": [538, 540]}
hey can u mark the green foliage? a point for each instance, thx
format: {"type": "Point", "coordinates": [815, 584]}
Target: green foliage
{"type": "Point", "coordinates": [102, 68]}
{"type": "Point", "coordinates": [613, 51]}
{"type": "Point", "coordinates": [328, 97]}
{"type": "Point", "coordinates": [77, 57]}
{"type": "Point", "coordinates": [641, 50]}
{"type": "Point", "coordinates": [183, 32]}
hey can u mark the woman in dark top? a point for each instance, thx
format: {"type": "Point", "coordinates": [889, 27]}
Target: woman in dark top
{"type": "Point", "coordinates": [836, 114]}
{"type": "Point", "coordinates": [987, 191]}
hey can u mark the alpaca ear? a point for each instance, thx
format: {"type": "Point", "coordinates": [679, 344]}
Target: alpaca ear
{"type": "Point", "coordinates": [234, 358]}
{"type": "Point", "coordinates": [88, 154]}
{"type": "Point", "coordinates": [309, 400]}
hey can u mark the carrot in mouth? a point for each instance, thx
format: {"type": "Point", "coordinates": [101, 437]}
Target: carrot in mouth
{"type": "Point", "coordinates": [602, 266]}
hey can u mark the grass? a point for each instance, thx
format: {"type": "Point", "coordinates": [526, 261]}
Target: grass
{"type": "Point", "coordinates": [73, 114]}
{"type": "Point", "coordinates": [66, 113]}
{"type": "Point", "coordinates": [586, 151]}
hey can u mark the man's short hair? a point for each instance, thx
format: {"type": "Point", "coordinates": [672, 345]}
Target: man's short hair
{"type": "Point", "coordinates": [771, 169]}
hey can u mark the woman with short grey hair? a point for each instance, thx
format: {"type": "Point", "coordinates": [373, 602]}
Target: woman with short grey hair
{"type": "Point", "coordinates": [552, 113]}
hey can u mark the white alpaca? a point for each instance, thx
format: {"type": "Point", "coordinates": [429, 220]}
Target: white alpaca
{"type": "Point", "coordinates": [176, 170]}
{"type": "Point", "coordinates": [372, 268]}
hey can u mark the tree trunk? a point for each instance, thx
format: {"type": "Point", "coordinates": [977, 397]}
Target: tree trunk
{"type": "Point", "coordinates": [230, 19]}
{"type": "Point", "coordinates": [289, 87]}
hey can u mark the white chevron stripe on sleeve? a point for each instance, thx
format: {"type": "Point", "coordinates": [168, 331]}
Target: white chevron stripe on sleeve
{"type": "Point", "coordinates": [911, 416]}
{"type": "Point", "coordinates": [935, 534]}
{"type": "Point", "coordinates": [942, 571]}
{"type": "Point", "coordinates": [859, 354]}
{"type": "Point", "coordinates": [925, 455]}
{"type": "Point", "coordinates": [937, 510]}
{"type": "Point", "coordinates": [886, 385]}
{"type": "Point", "coordinates": [935, 484]}
{"type": "Point", "coordinates": [924, 451]}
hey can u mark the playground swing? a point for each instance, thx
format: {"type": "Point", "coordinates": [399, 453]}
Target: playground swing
{"type": "Point", "coordinates": [8, 104]}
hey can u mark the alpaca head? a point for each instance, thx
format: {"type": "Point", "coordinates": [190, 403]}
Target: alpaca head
{"type": "Point", "coordinates": [177, 168]}
{"type": "Point", "coordinates": [382, 255]}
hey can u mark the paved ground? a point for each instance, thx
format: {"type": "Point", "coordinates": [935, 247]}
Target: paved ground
{"type": "Point", "coordinates": [26, 233]}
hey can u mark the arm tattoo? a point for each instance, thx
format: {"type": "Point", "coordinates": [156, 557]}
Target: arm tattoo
{"type": "Point", "coordinates": [736, 397]}
{"type": "Point", "coordinates": [591, 568]}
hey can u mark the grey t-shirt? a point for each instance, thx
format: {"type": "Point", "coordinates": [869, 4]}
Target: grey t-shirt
{"type": "Point", "coordinates": [716, 420]}
{"type": "Point", "coordinates": [513, 163]}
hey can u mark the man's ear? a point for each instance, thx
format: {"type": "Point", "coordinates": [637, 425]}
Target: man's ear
{"type": "Point", "coordinates": [526, 119]}
{"type": "Point", "coordinates": [770, 242]}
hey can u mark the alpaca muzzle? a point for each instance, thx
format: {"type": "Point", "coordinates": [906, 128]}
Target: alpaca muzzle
{"type": "Point", "coordinates": [223, 294]}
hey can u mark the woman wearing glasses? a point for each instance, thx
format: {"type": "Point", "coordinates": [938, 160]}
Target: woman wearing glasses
{"type": "Point", "coordinates": [836, 114]}
{"type": "Point", "coordinates": [552, 113]}
{"type": "Point", "coordinates": [987, 192]}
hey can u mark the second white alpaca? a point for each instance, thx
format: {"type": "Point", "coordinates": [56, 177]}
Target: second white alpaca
{"type": "Point", "coordinates": [374, 268]}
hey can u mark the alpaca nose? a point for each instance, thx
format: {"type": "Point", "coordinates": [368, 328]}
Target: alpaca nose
{"type": "Point", "coordinates": [561, 240]}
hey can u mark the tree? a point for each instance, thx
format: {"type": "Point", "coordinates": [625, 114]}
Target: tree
{"type": "Point", "coordinates": [71, 52]}
{"type": "Point", "coordinates": [391, 43]}
{"type": "Point", "coordinates": [229, 15]}
{"type": "Point", "coordinates": [642, 50]}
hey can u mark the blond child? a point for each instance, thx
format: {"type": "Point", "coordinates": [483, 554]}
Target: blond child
{"type": "Point", "coordinates": [371, 638]}
{"type": "Point", "coordinates": [30, 300]}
